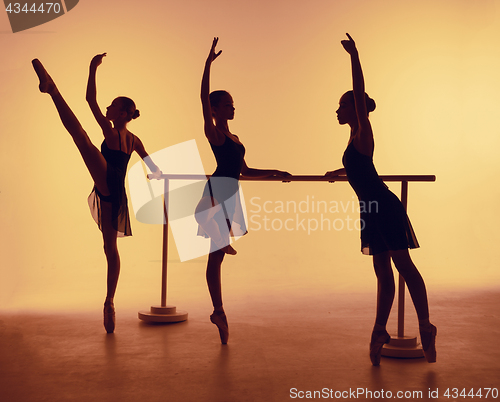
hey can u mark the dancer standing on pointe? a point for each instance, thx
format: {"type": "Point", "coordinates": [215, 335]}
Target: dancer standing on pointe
{"type": "Point", "coordinates": [386, 233]}
{"type": "Point", "coordinates": [219, 212]}
{"type": "Point", "coordinates": [108, 167]}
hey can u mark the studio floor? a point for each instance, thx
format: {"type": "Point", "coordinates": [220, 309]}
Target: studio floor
{"type": "Point", "coordinates": [277, 348]}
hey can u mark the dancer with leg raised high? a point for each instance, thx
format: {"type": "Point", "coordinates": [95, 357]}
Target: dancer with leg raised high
{"type": "Point", "coordinates": [219, 212]}
{"type": "Point", "coordinates": [386, 231]}
{"type": "Point", "coordinates": [108, 167]}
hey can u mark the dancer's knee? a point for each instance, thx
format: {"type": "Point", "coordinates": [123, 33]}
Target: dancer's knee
{"type": "Point", "coordinates": [404, 264]}
{"type": "Point", "coordinates": [382, 265]}
{"type": "Point", "coordinates": [109, 234]}
{"type": "Point", "coordinates": [215, 258]}
{"type": "Point", "coordinates": [201, 216]}
{"type": "Point", "coordinates": [206, 210]}
{"type": "Point", "coordinates": [110, 249]}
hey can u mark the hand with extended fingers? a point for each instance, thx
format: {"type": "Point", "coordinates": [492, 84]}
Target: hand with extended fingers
{"type": "Point", "coordinates": [349, 45]}
{"type": "Point", "coordinates": [332, 175]}
{"type": "Point", "coordinates": [282, 175]}
{"type": "Point", "coordinates": [97, 60]}
{"type": "Point", "coordinates": [213, 55]}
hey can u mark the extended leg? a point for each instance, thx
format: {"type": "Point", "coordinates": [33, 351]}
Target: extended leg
{"type": "Point", "coordinates": [418, 294]}
{"type": "Point", "coordinates": [215, 288]}
{"type": "Point", "coordinates": [413, 280]}
{"type": "Point", "coordinates": [214, 280]}
{"type": "Point", "coordinates": [95, 162]}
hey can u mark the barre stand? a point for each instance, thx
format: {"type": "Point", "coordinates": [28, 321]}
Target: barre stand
{"type": "Point", "coordinates": [164, 313]}
{"type": "Point", "coordinates": [400, 346]}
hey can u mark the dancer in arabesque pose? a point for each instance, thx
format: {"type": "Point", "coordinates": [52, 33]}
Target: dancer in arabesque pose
{"type": "Point", "coordinates": [386, 233]}
{"type": "Point", "coordinates": [108, 167]}
{"type": "Point", "coordinates": [219, 212]}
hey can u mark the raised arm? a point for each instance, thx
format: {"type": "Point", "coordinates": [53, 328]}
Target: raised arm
{"type": "Point", "coordinates": [364, 140]}
{"type": "Point", "coordinates": [141, 151]}
{"type": "Point", "coordinates": [211, 133]}
{"type": "Point", "coordinates": [91, 96]}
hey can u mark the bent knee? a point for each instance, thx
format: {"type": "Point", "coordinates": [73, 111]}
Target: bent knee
{"type": "Point", "coordinates": [403, 261]}
{"type": "Point", "coordinates": [206, 210]}
{"type": "Point", "coordinates": [201, 216]}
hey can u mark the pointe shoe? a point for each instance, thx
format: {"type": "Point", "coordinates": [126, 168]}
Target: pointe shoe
{"type": "Point", "coordinates": [229, 250]}
{"type": "Point", "coordinates": [46, 83]}
{"type": "Point", "coordinates": [221, 322]}
{"type": "Point", "coordinates": [428, 339]}
{"type": "Point", "coordinates": [379, 339]}
{"type": "Point", "coordinates": [109, 317]}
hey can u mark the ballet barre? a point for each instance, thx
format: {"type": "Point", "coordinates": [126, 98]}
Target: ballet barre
{"type": "Point", "coordinates": [399, 346]}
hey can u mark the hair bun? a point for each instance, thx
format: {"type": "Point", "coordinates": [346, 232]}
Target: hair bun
{"type": "Point", "coordinates": [370, 104]}
{"type": "Point", "coordinates": [136, 114]}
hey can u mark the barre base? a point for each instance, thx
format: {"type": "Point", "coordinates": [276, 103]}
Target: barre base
{"type": "Point", "coordinates": [403, 347]}
{"type": "Point", "coordinates": [163, 314]}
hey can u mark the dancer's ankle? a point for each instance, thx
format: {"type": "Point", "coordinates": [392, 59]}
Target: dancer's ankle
{"type": "Point", "coordinates": [425, 325]}
{"type": "Point", "coordinates": [379, 328]}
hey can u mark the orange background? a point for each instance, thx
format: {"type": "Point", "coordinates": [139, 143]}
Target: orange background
{"type": "Point", "coordinates": [432, 67]}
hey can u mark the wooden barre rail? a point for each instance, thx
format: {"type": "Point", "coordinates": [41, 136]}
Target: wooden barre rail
{"type": "Point", "coordinates": [405, 346]}
{"type": "Point", "coordinates": [300, 178]}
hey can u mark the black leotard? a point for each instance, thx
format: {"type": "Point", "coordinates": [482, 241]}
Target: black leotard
{"type": "Point", "coordinates": [223, 186]}
{"type": "Point", "coordinates": [385, 224]}
{"type": "Point", "coordinates": [117, 162]}
{"type": "Point", "coordinates": [229, 157]}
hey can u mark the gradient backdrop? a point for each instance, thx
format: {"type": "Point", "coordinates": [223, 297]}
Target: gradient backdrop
{"type": "Point", "coordinates": [432, 66]}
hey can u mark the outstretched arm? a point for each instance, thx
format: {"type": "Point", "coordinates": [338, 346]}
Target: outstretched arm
{"type": "Point", "coordinates": [91, 96]}
{"type": "Point", "coordinates": [262, 173]}
{"type": "Point", "coordinates": [364, 140]}
{"type": "Point", "coordinates": [141, 151]}
{"type": "Point", "coordinates": [211, 133]}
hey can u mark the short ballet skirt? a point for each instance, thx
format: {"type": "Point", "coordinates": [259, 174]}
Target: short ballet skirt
{"type": "Point", "coordinates": [120, 218]}
{"type": "Point", "coordinates": [385, 225]}
{"type": "Point", "coordinates": [225, 191]}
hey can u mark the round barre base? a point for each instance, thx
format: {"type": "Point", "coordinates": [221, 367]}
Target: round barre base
{"type": "Point", "coordinates": [403, 347]}
{"type": "Point", "coordinates": [163, 314]}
